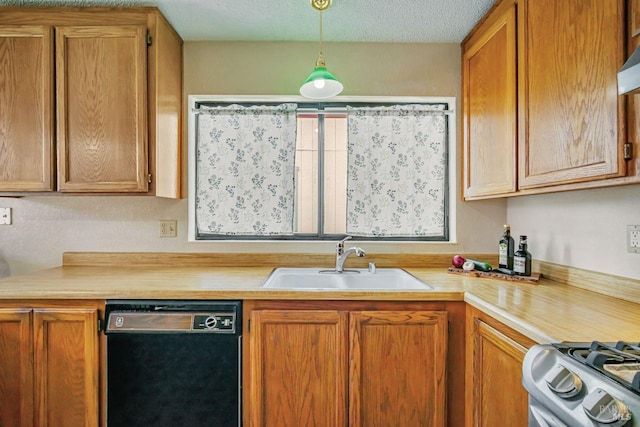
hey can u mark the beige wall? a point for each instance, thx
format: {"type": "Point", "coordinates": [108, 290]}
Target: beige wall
{"type": "Point", "coordinates": [585, 229]}
{"type": "Point", "coordinates": [46, 226]}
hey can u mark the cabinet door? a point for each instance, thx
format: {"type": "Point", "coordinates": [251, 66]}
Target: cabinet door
{"type": "Point", "coordinates": [102, 108]}
{"type": "Point", "coordinates": [633, 100]}
{"type": "Point", "coordinates": [498, 397]}
{"type": "Point", "coordinates": [298, 368]}
{"type": "Point", "coordinates": [490, 111]}
{"type": "Point", "coordinates": [16, 368]}
{"type": "Point", "coordinates": [26, 109]}
{"type": "Point", "coordinates": [66, 367]}
{"type": "Point", "coordinates": [571, 123]}
{"type": "Point", "coordinates": [397, 368]}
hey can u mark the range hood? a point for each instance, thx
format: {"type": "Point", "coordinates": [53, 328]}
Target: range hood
{"type": "Point", "coordinates": [629, 74]}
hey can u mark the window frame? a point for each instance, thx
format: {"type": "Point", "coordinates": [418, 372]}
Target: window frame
{"type": "Point", "coordinates": [340, 101]}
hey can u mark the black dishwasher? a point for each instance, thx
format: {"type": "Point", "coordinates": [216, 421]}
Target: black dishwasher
{"type": "Point", "coordinates": [173, 363]}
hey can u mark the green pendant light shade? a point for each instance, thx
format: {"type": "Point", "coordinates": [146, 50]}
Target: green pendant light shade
{"type": "Point", "coordinates": [321, 84]}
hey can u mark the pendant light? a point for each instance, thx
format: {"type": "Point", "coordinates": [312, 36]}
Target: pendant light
{"type": "Point", "coordinates": [321, 84]}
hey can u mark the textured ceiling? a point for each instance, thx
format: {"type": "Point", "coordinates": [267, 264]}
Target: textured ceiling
{"type": "Point", "coordinates": [408, 21]}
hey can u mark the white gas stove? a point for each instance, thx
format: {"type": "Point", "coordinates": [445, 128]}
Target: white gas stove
{"type": "Point", "coordinates": [583, 384]}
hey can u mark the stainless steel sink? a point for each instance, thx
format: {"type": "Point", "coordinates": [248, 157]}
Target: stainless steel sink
{"type": "Point", "coordinates": [322, 279]}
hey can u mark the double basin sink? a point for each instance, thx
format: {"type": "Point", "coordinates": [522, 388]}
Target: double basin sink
{"type": "Point", "coordinates": [322, 279]}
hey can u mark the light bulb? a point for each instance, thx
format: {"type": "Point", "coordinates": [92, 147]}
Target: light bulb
{"type": "Point", "coordinates": [319, 83]}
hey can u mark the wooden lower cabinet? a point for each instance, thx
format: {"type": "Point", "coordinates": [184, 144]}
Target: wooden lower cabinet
{"type": "Point", "coordinates": [49, 366]}
{"type": "Point", "coordinates": [350, 367]}
{"type": "Point", "coordinates": [298, 368]}
{"type": "Point", "coordinates": [16, 367]}
{"type": "Point", "coordinates": [494, 392]}
{"type": "Point", "coordinates": [397, 368]}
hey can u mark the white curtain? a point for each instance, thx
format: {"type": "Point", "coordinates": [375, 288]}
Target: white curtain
{"type": "Point", "coordinates": [396, 171]}
{"type": "Point", "coordinates": [245, 162]}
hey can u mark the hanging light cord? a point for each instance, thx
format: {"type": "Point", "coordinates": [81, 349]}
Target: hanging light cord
{"type": "Point", "coordinates": [320, 62]}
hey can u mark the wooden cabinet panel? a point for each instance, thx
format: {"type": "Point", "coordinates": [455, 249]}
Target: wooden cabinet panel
{"type": "Point", "coordinates": [633, 100]}
{"type": "Point", "coordinates": [111, 102]}
{"type": "Point", "coordinates": [16, 368]}
{"type": "Point", "coordinates": [494, 392]}
{"type": "Point", "coordinates": [397, 368]}
{"type": "Point", "coordinates": [571, 119]}
{"type": "Point", "coordinates": [66, 367]}
{"type": "Point", "coordinates": [490, 110]}
{"type": "Point", "coordinates": [26, 108]}
{"type": "Point", "coordinates": [165, 110]}
{"type": "Point", "coordinates": [386, 366]}
{"type": "Point", "coordinates": [298, 368]}
{"type": "Point", "coordinates": [101, 108]}
{"type": "Point", "coordinates": [500, 397]}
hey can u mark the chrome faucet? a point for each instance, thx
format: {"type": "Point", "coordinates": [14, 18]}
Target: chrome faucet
{"type": "Point", "coordinates": [342, 255]}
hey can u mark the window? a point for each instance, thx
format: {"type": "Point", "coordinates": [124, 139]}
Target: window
{"type": "Point", "coordinates": [278, 168]}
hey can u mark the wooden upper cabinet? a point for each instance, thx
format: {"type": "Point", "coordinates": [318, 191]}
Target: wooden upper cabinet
{"type": "Point", "coordinates": [101, 108]}
{"type": "Point", "coordinates": [16, 368]}
{"type": "Point", "coordinates": [66, 367]}
{"type": "Point", "coordinates": [490, 110]}
{"type": "Point", "coordinates": [26, 108]}
{"type": "Point", "coordinates": [165, 110]}
{"type": "Point", "coordinates": [298, 368]}
{"type": "Point", "coordinates": [90, 101]}
{"type": "Point", "coordinates": [397, 368]}
{"type": "Point", "coordinates": [571, 119]}
{"type": "Point", "coordinates": [633, 100]}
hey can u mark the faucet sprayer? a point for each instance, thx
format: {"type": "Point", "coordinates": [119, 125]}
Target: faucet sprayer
{"type": "Point", "coordinates": [342, 255]}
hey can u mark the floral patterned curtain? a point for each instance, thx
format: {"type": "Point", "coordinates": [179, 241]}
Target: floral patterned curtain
{"type": "Point", "coordinates": [396, 171]}
{"type": "Point", "coordinates": [245, 160]}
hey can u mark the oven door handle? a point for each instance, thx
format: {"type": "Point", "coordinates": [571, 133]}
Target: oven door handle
{"type": "Point", "coordinates": [541, 418]}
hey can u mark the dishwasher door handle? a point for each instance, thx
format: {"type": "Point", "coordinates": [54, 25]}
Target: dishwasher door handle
{"type": "Point", "coordinates": [171, 308]}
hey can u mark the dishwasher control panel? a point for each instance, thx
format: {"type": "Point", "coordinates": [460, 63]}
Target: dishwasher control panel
{"type": "Point", "coordinates": [215, 322]}
{"type": "Point", "coordinates": [199, 322]}
{"type": "Point", "coordinates": [173, 316]}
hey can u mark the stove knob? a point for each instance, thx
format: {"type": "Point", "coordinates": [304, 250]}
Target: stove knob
{"type": "Point", "coordinates": [211, 322]}
{"type": "Point", "coordinates": [605, 409]}
{"type": "Point", "coordinates": [563, 382]}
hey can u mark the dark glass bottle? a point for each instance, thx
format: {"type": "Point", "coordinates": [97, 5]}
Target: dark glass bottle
{"type": "Point", "coordinates": [522, 259]}
{"type": "Point", "coordinates": [506, 249]}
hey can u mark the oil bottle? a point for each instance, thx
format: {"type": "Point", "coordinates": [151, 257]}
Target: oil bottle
{"type": "Point", "coordinates": [506, 249]}
{"type": "Point", "coordinates": [522, 259]}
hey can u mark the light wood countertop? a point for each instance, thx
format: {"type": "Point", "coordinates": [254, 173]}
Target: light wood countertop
{"type": "Point", "coordinates": [547, 312]}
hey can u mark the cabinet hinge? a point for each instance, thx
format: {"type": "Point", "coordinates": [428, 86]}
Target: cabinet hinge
{"type": "Point", "coordinates": [149, 179]}
{"type": "Point", "coordinates": [628, 151]}
{"type": "Point", "coordinates": [100, 325]}
{"type": "Point", "coordinates": [249, 325]}
{"type": "Point", "coordinates": [448, 327]}
{"type": "Point", "coordinates": [148, 39]}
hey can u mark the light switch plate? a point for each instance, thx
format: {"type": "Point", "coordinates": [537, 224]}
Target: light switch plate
{"type": "Point", "coordinates": [5, 216]}
{"type": "Point", "coordinates": [633, 239]}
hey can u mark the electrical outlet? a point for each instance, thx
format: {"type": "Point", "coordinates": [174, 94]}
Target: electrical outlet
{"type": "Point", "coordinates": [5, 216]}
{"type": "Point", "coordinates": [168, 228]}
{"type": "Point", "coordinates": [633, 239]}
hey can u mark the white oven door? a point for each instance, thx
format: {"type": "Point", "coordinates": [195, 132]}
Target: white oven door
{"type": "Point", "coordinates": [539, 416]}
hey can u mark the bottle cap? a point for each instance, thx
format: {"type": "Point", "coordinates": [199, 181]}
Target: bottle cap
{"type": "Point", "coordinates": [523, 237]}
{"type": "Point", "coordinates": [506, 226]}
